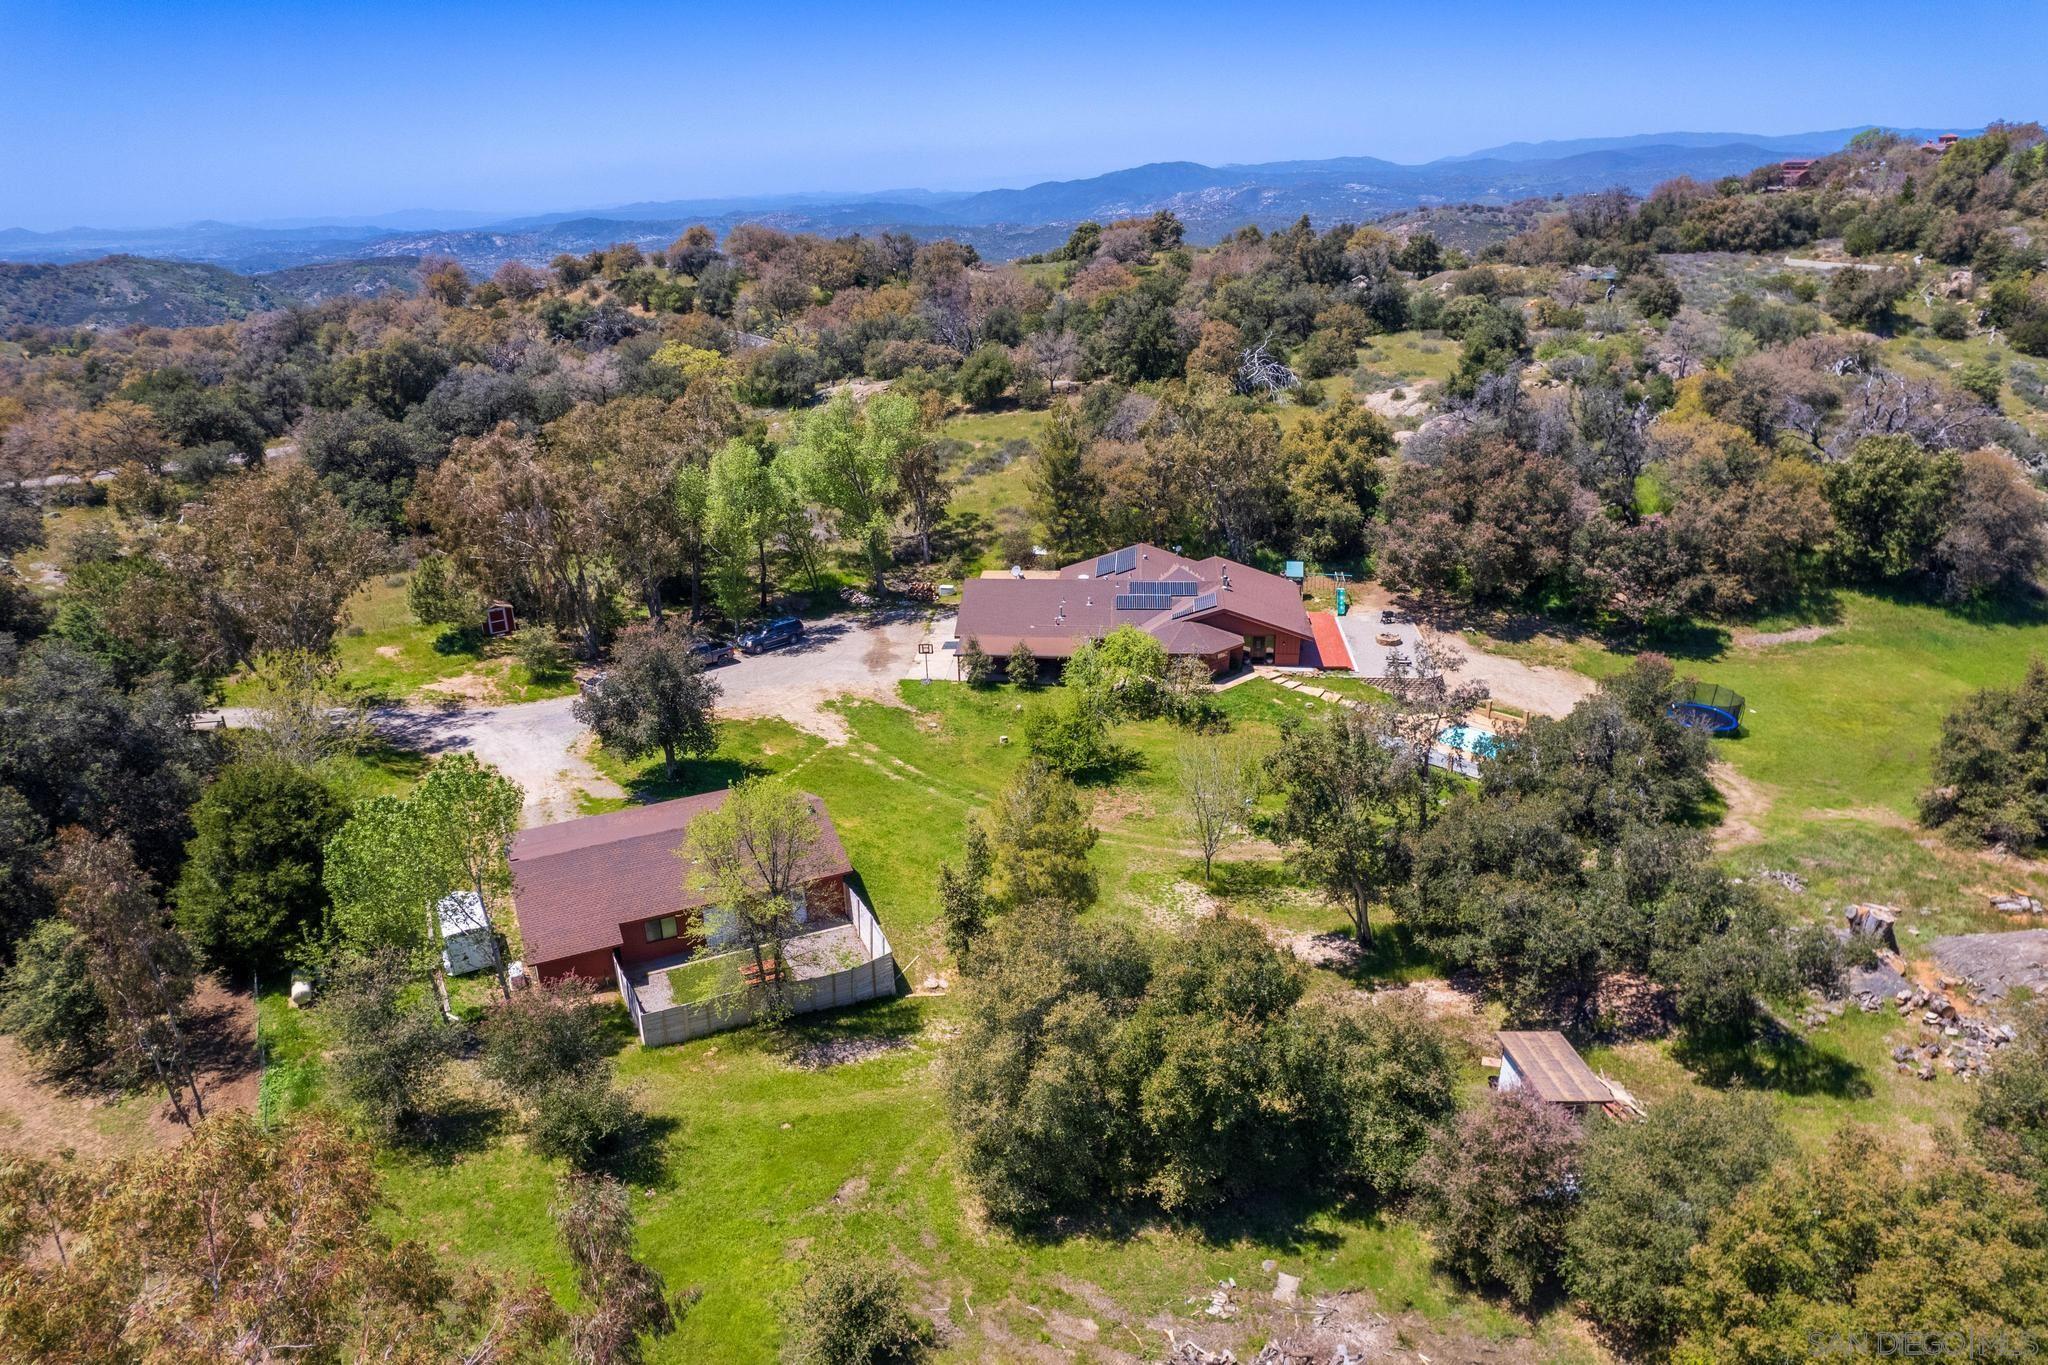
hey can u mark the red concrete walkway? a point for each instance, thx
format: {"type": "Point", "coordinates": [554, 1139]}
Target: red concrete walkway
{"type": "Point", "coordinates": [1330, 648]}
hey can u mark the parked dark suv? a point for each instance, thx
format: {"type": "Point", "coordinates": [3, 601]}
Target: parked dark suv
{"type": "Point", "coordinates": [774, 635]}
{"type": "Point", "coordinates": [712, 653]}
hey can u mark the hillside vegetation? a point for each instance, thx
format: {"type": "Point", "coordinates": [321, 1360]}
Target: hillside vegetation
{"type": "Point", "coordinates": [122, 291]}
{"type": "Point", "coordinates": [1201, 980]}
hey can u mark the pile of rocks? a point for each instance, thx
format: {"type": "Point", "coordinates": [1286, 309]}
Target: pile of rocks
{"type": "Point", "coordinates": [1948, 1038]}
{"type": "Point", "coordinates": [2018, 903]}
{"type": "Point", "coordinates": [1872, 988]}
{"type": "Point", "coordinates": [1791, 881]}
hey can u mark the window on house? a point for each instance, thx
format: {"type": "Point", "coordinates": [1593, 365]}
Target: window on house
{"type": "Point", "coordinates": [659, 929]}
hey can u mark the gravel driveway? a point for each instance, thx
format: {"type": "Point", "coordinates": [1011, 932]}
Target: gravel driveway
{"type": "Point", "coordinates": [1535, 688]}
{"type": "Point", "coordinates": [541, 745]}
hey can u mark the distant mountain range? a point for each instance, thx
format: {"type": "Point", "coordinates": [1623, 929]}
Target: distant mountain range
{"type": "Point", "coordinates": [1004, 223]}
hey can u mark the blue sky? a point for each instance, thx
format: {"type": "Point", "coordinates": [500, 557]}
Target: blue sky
{"type": "Point", "coordinates": [125, 115]}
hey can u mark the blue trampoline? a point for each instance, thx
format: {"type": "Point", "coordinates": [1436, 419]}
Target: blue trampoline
{"type": "Point", "coordinates": [1709, 707]}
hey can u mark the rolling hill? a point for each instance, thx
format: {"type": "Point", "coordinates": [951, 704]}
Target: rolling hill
{"type": "Point", "coordinates": [116, 291]}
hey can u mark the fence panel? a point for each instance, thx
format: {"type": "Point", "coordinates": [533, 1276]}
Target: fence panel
{"type": "Point", "coordinates": [847, 986]}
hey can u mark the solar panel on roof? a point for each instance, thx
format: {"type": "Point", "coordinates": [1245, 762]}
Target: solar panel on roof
{"type": "Point", "coordinates": [1105, 565]}
{"type": "Point", "coordinates": [1166, 587]}
{"type": "Point", "coordinates": [1132, 601]}
{"type": "Point", "coordinates": [1202, 603]}
{"type": "Point", "coordinates": [1126, 560]}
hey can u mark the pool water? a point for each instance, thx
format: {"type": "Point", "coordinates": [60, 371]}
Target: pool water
{"type": "Point", "coordinates": [1470, 739]}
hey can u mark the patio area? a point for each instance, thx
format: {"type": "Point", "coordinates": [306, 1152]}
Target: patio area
{"type": "Point", "coordinates": [837, 960]}
{"type": "Point", "coordinates": [826, 947]}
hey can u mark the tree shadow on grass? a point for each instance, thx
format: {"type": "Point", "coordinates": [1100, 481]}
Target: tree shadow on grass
{"type": "Point", "coordinates": [1234, 877]}
{"type": "Point", "coordinates": [460, 1126]}
{"type": "Point", "coordinates": [855, 1033]}
{"type": "Point", "coordinates": [1393, 955]}
{"type": "Point", "coordinates": [1283, 1223]}
{"type": "Point", "coordinates": [464, 640]}
{"type": "Point", "coordinates": [693, 778]}
{"type": "Point", "coordinates": [1120, 762]}
{"type": "Point", "coordinates": [640, 1158]}
{"type": "Point", "coordinates": [1783, 1062]}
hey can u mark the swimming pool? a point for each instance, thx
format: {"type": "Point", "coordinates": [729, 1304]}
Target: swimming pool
{"type": "Point", "coordinates": [1470, 739]}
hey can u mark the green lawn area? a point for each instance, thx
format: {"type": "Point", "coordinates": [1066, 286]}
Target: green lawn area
{"type": "Point", "coordinates": [759, 1160]}
{"type": "Point", "coordinates": [991, 500]}
{"type": "Point", "coordinates": [383, 652]}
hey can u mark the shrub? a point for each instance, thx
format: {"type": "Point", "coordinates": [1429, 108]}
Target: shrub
{"type": "Point", "coordinates": [1497, 1189]}
{"type": "Point", "coordinates": [1991, 767]}
{"type": "Point", "coordinates": [436, 597]}
{"type": "Point", "coordinates": [1121, 674]}
{"type": "Point", "coordinates": [548, 1048]}
{"type": "Point", "coordinates": [540, 652]}
{"type": "Point", "coordinates": [1071, 738]}
{"type": "Point", "coordinates": [1648, 1192]}
{"type": "Point", "coordinates": [2010, 1117]}
{"type": "Point", "coordinates": [1948, 322]}
{"type": "Point", "coordinates": [985, 376]}
{"type": "Point", "coordinates": [1023, 666]}
{"type": "Point", "coordinates": [251, 887]}
{"type": "Point", "coordinates": [390, 1042]}
{"type": "Point", "coordinates": [581, 1119]}
{"type": "Point", "coordinates": [851, 1310]}
{"type": "Point", "coordinates": [48, 1004]}
{"type": "Point", "coordinates": [977, 669]}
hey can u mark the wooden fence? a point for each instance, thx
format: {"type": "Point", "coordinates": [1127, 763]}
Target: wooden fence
{"type": "Point", "coordinates": [867, 980]}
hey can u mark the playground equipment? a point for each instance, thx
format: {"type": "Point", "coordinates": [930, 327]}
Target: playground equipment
{"type": "Point", "coordinates": [1709, 707]}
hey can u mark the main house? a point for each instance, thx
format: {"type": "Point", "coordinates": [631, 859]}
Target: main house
{"type": "Point", "coordinates": [1215, 609]}
{"type": "Point", "coordinates": [610, 898]}
{"type": "Point", "coordinates": [587, 889]}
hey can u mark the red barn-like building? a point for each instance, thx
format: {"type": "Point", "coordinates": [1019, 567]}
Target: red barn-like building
{"type": "Point", "coordinates": [615, 883]}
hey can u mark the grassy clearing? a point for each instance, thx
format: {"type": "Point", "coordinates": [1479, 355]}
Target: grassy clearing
{"type": "Point", "coordinates": [60, 524]}
{"type": "Point", "coordinates": [1411, 355]}
{"type": "Point", "coordinates": [989, 497]}
{"type": "Point", "coordinates": [384, 653]}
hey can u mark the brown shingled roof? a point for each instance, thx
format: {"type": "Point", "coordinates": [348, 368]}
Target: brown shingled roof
{"type": "Point", "coordinates": [575, 883]}
{"type": "Point", "coordinates": [1552, 1068]}
{"type": "Point", "coordinates": [1054, 615]}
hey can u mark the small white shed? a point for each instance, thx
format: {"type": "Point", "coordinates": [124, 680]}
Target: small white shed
{"type": "Point", "coordinates": [466, 942]}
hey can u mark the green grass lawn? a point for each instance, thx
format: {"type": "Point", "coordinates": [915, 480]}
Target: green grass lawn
{"type": "Point", "coordinates": [383, 652]}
